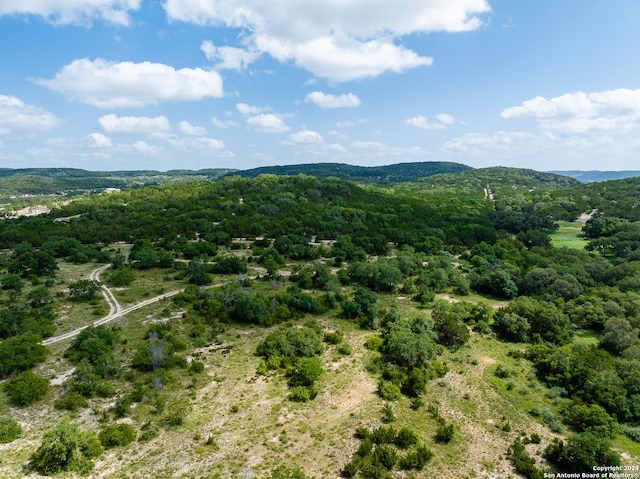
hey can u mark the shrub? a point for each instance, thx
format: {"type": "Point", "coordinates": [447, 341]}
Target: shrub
{"type": "Point", "coordinates": [383, 435]}
{"type": "Point", "coordinates": [365, 448]}
{"type": "Point", "coordinates": [306, 372]}
{"type": "Point", "coordinates": [388, 391]}
{"type": "Point", "coordinates": [284, 472]}
{"type": "Point", "coordinates": [349, 470]}
{"type": "Point", "coordinates": [177, 411]}
{"type": "Point", "coordinates": [523, 462]}
{"type": "Point", "coordinates": [581, 452]}
{"type": "Point", "coordinates": [116, 435]}
{"type": "Point", "coordinates": [445, 433]}
{"type": "Point", "coordinates": [415, 459]}
{"type": "Point", "coordinates": [26, 388]}
{"type": "Point", "coordinates": [9, 430]}
{"type": "Point", "coordinates": [502, 372]}
{"type": "Point", "coordinates": [406, 437]}
{"type": "Point", "coordinates": [66, 448]}
{"type": "Point", "coordinates": [385, 455]}
{"type": "Point", "coordinates": [71, 401]}
{"type": "Point", "coordinates": [334, 337]}
{"type": "Point", "coordinates": [196, 367]}
{"type": "Point", "coordinates": [300, 394]}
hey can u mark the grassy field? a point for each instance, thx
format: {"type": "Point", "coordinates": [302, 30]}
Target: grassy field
{"type": "Point", "coordinates": [568, 235]}
{"type": "Point", "coordinates": [242, 425]}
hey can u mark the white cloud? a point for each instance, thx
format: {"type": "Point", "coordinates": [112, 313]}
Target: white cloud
{"type": "Point", "coordinates": [580, 112]}
{"type": "Point", "coordinates": [15, 115]}
{"type": "Point", "coordinates": [442, 121]}
{"type": "Point", "coordinates": [473, 141]}
{"type": "Point", "coordinates": [228, 58]}
{"type": "Point", "coordinates": [200, 143]}
{"type": "Point", "coordinates": [98, 140]}
{"type": "Point", "coordinates": [191, 130]}
{"type": "Point", "coordinates": [337, 40]}
{"type": "Point", "coordinates": [306, 137]}
{"type": "Point", "coordinates": [324, 100]}
{"type": "Point", "coordinates": [268, 123]}
{"type": "Point", "coordinates": [76, 12]}
{"type": "Point", "coordinates": [146, 148]}
{"type": "Point", "coordinates": [248, 109]}
{"type": "Point", "coordinates": [108, 84]}
{"type": "Point", "coordinates": [133, 125]}
{"type": "Point", "coordinates": [223, 123]}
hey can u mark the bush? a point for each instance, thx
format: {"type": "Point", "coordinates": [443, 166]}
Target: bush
{"type": "Point", "coordinates": [71, 401]}
{"type": "Point", "coordinates": [416, 459]}
{"type": "Point", "coordinates": [300, 394]}
{"type": "Point", "coordinates": [66, 448]}
{"type": "Point", "coordinates": [383, 435]}
{"type": "Point", "coordinates": [26, 388]}
{"type": "Point", "coordinates": [306, 372]}
{"type": "Point", "coordinates": [445, 433]}
{"type": "Point", "coordinates": [334, 337]}
{"type": "Point", "coordinates": [177, 411]}
{"type": "Point", "coordinates": [406, 437]}
{"type": "Point", "coordinates": [523, 462]}
{"type": "Point", "coordinates": [284, 472]}
{"type": "Point", "coordinates": [581, 452]}
{"type": "Point", "coordinates": [116, 435]}
{"type": "Point", "coordinates": [386, 456]}
{"type": "Point", "coordinates": [388, 391]}
{"type": "Point", "coordinates": [9, 430]}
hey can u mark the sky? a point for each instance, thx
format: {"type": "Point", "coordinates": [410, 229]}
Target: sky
{"type": "Point", "coordinates": [109, 85]}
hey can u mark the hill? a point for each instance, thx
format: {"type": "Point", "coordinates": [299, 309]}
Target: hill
{"type": "Point", "coordinates": [368, 174]}
{"type": "Point", "coordinates": [299, 327]}
{"type": "Point", "coordinates": [596, 176]}
{"type": "Point", "coordinates": [46, 181]}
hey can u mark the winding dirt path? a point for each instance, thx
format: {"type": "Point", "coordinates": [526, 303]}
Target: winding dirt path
{"type": "Point", "coordinates": [115, 308]}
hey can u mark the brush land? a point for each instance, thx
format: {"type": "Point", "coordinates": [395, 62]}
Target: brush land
{"type": "Point", "coordinates": [472, 324]}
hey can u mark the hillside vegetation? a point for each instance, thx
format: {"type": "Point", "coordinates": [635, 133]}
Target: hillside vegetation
{"type": "Point", "coordinates": [299, 327]}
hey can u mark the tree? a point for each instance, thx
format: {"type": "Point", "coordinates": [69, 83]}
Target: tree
{"type": "Point", "coordinates": [581, 453]}
{"type": "Point", "coordinates": [9, 430]}
{"type": "Point", "coordinates": [307, 371]}
{"type": "Point", "coordinates": [115, 435]}
{"type": "Point", "coordinates": [83, 290]}
{"type": "Point", "coordinates": [26, 388]}
{"type": "Point", "coordinates": [19, 353]}
{"type": "Point", "coordinates": [66, 448]}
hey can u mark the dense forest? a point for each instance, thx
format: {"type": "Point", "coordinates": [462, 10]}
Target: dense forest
{"type": "Point", "coordinates": [297, 327]}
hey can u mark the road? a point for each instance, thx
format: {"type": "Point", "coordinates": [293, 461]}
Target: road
{"type": "Point", "coordinates": [115, 308]}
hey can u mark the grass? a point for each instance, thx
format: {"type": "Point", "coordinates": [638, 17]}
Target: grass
{"type": "Point", "coordinates": [253, 427]}
{"type": "Point", "coordinates": [568, 235]}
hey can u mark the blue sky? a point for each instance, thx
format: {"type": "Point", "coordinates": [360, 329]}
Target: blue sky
{"type": "Point", "coordinates": [168, 84]}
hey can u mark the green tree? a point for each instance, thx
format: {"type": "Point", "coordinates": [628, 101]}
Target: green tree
{"type": "Point", "coordinates": [10, 430]}
{"type": "Point", "coordinates": [83, 290]}
{"type": "Point", "coordinates": [66, 448]}
{"type": "Point", "coordinates": [26, 388]}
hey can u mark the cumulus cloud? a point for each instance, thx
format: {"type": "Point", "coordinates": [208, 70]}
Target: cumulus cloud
{"type": "Point", "coordinates": [106, 84]}
{"type": "Point", "coordinates": [580, 112]}
{"type": "Point", "coordinates": [442, 121]}
{"type": "Point", "coordinates": [306, 137]}
{"type": "Point", "coordinates": [268, 123]}
{"type": "Point", "coordinates": [15, 115]}
{"type": "Point", "coordinates": [339, 41]}
{"type": "Point", "coordinates": [98, 140]}
{"type": "Point", "coordinates": [223, 123]}
{"type": "Point", "coordinates": [324, 100]}
{"type": "Point", "coordinates": [191, 130]}
{"type": "Point", "coordinates": [500, 140]}
{"type": "Point", "coordinates": [133, 125]}
{"type": "Point", "coordinates": [248, 109]}
{"type": "Point", "coordinates": [228, 58]}
{"type": "Point", "coordinates": [76, 12]}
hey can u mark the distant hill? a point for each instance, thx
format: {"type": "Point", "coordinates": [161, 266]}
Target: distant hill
{"type": "Point", "coordinates": [43, 181]}
{"type": "Point", "coordinates": [595, 175]}
{"type": "Point", "coordinates": [498, 179]}
{"type": "Point", "coordinates": [399, 172]}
